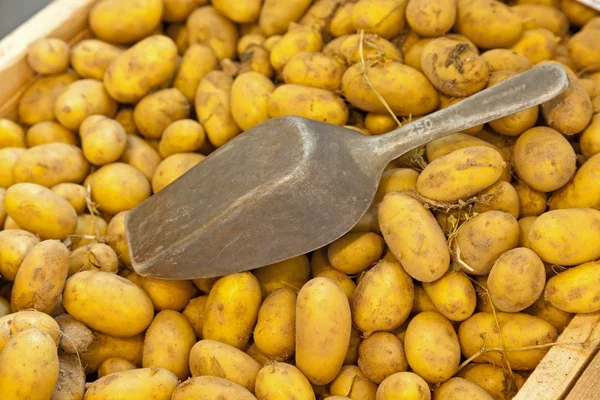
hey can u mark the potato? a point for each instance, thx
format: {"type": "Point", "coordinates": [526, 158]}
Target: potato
{"type": "Point", "coordinates": [299, 38]}
{"type": "Point", "coordinates": [89, 294]}
{"type": "Point", "coordinates": [396, 180]}
{"type": "Point", "coordinates": [501, 196]}
{"type": "Point", "coordinates": [583, 48]}
{"type": "Point", "coordinates": [514, 124]}
{"type": "Point", "coordinates": [573, 290]}
{"type": "Point", "coordinates": [531, 202]}
{"type": "Point", "coordinates": [375, 48]}
{"type": "Point", "coordinates": [345, 282]}
{"type": "Point", "coordinates": [213, 106]}
{"type": "Point", "coordinates": [275, 331]}
{"type": "Point", "coordinates": [319, 14]}
{"type": "Point", "coordinates": [256, 354]}
{"type": "Point", "coordinates": [460, 174]}
{"type": "Point", "coordinates": [355, 252]}
{"type": "Point", "coordinates": [543, 309]}
{"type": "Point", "coordinates": [413, 235]}
{"type": "Point", "coordinates": [37, 103]}
{"type": "Point", "coordinates": [183, 136]}
{"type": "Point", "coordinates": [238, 12]}
{"type": "Point", "coordinates": [249, 40]}
{"type": "Point", "coordinates": [155, 112]}
{"type": "Point", "coordinates": [517, 330]}
{"type": "Point", "coordinates": [140, 155]}
{"type": "Point", "coordinates": [13, 324]}
{"type": "Point", "coordinates": [373, 307]}
{"type": "Point", "coordinates": [90, 57]}
{"type": "Point", "coordinates": [579, 14]}
{"type": "Point", "coordinates": [378, 124]}
{"type": "Point", "coordinates": [15, 244]}
{"type": "Point", "coordinates": [114, 364]}
{"type": "Point", "coordinates": [194, 312]}
{"type": "Point", "coordinates": [566, 245]}
{"type": "Point", "coordinates": [116, 238]}
{"type": "Point", "coordinates": [48, 56]}
{"type": "Point", "coordinates": [178, 32]}
{"type": "Point", "coordinates": [382, 17]}
{"type": "Point", "coordinates": [11, 134]}
{"type": "Point", "coordinates": [319, 262]}
{"type": "Point", "coordinates": [505, 60]}
{"type": "Point", "coordinates": [524, 229]}
{"type": "Point", "coordinates": [488, 23]}
{"type": "Point", "coordinates": [291, 273]}
{"type": "Point", "coordinates": [75, 336]}
{"type": "Point", "coordinates": [125, 22]}
{"type": "Point", "coordinates": [118, 187]}
{"type": "Point", "coordinates": [406, 90]}
{"type": "Point", "coordinates": [536, 44]}
{"type": "Point", "coordinates": [29, 366]}
{"type": "Point", "coordinates": [125, 117]}
{"type": "Point", "coordinates": [142, 383]}
{"type": "Point", "coordinates": [64, 163]}
{"type": "Point", "coordinates": [40, 211]}
{"type": "Point", "coordinates": [482, 239]}
{"type": "Point", "coordinates": [453, 295]}
{"type": "Point", "coordinates": [207, 26]}
{"type": "Point", "coordinates": [322, 334]}
{"type": "Point", "coordinates": [275, 16]}
{"type": "Point", "coordinates": [198, 60]}
{"type": "Point", "coordinates": [413, 56]}
{"type": "Point", "coordinates": [104, 347]}
{"type": "Point", "coordinates": [422, 301]}
{"type": "Point", "coordinates": [172, 168]}
{"type": "Point", "coordinates": [589, 140]}
{"type": "Point", "coordinates": [205, 284]}
{"type": "Point", "coordinates": [458, 388]}
{"type": "Point", "coordinates": [9, 157]}
{"type": "Point", "coordinates": [493, 380]}
{"type": "Point", "coordinates": [250, 85]}
{"type": "Point", "coordinates": [179, 10]}
{"type": "Point", "coordinates": [431, 347]}
{"type": "Point", "coordinates": [231, 320]}
{"type": "Point", "coordinates": [314, 69]}
{"type": "Point", "coordinates": [381, 355]}
{"type": "Point", "coordinates": [71, 378]}
{"type": "Point", "coordinates": [431, 19]}
{"type": "Point", "coordinates": [140, 69]}
{"type": "Point", "coordinates": [256, 59]}
{"type": "Point", "coordinates": [354, 383]}
{"type": "Point", "coordinates": [49, 132]}
{"type": "Point", "coordinates": [212, 358]}
{"type": "Point", "coordinates": [582, 191]}
{"type": "Point", "coordinates": [401, 385]}
{"type": "Point", "coordinates": [10, 224]}
{"type": "Point", "coordinates": [103, 140]}
{"type": "Point", "coordinates": [542, 16]}
{"type": "Point", "coordinates": [169, 340]}
{"type": "Point", "coordinates": [340, 23]}
{"type": "Point", "coordinates": [166, 294]}
{"type": "Point", "coordinates": [279, 381]}
{"type": "Point", "coordinates": [80, 100]}
{"type": "Point", "coordinates": [210, 388]}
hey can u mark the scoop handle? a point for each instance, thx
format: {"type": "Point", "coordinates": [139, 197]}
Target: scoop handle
{"type": "Point", "coordinates": [522, 91]}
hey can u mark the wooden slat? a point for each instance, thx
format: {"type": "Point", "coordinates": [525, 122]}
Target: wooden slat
{"type": "Point", "coordinates": [588, 384]}
{"type": "Point", "coordinates": [64, 19]}
{"type": "Point", "coordinates": [559, 369]}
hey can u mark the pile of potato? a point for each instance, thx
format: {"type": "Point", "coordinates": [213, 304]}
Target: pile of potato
{"type": "Point", "coordinates": [481, 241]}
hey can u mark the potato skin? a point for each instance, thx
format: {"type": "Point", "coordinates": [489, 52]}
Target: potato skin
{"type": "Point", "coordinates": [414, 236]}
{"type": "Point", "coordinates": [104, 347]}
{"type": "Point", "coordinates": [29, 366]}
{"type": "Point", "coordinates": [12, 324]}
{"type": "Point", "coordinates": [355, 252]}
{"type": "Point", "coordinates": [385, 18]}
{"type": "Point", "coordinates": [322, 334]}
{"type": "Point", "coordinates": [250, 94]}
{"type": "Point", "coordinates": [542, 16]}
{"type": "Point", "coordinates": [81, 99]}
{"type": "Point", "coordinates": [431, 19]}
{"type": "Point", "coordinates": [291, 273]}
{"type": "Point", "coordinates": [71, 378]}
{"type": "Point", "coordinates": [583, 48]}
{"type": "Point", "coordinates": [279, 381]}
{"type": "Point", "coordinates": [583, 191]}
{"type": "Point", "coordinates": [502, 196]}
{"type": "Point", "coordinates": [103, 140]}
{"type": "Point", "coordinates": [589, 140]}
{"type": "Point", "coordinates": [48, 56]}
{"type": "Point", "coordinates": [141, 156]}
{"type": "Point", "coordinates": [155, 112]}
{"type": "Point", "coordinates": [90, 57]}
{"type": "Point", "coordinates": [453, 295]}
{"type": "Point", "coordinates": [125, 22]}
{"type": "Point", "coordinates": [493, 380]}
{"type": "Point", "coordinates": [381, 355]}
{"type": "Point", "coordinates": [275, 331]}
{"type": "Point", "coordinates": [432, 347]}
{"type": "Point", "coordinates": [141, 383]}
{"type": "Point", "coordinates": [15, 244]}
{"type": "Point", "coordinates": [172, 168]}
{"type": "Point", "coordinates": [118, 187]}
{"type": "Point", "coordinates": [8, 159]}
{"type": "Point", "coordinates": [117, 240]}
{"type": "Point", "coordinates": [574, 290]}
{"type": "Point", "coordinates": [165, 294]}
{"type": "Point", "coordinates": [11, 134]}
{"type": "Point", "coordinates": [537, 45]}
{"type": "Point", "coordinates": [210, 388]}
{"type": "Point", "coordinates": [239, 12]}
{"type": "Point", "coordinates": [457, 388]}
{"type": "Point", "coordinates": [403, 385]}
{"type": "Point", "coordinates": [89, 294]}
{"type": "Point", "coordinates": [531, 202]}
{"type": "Point", "coordinates": [37, 103]}
{"type": "Point", "coordinates": [207, 26]}
{"type": "Point", "coordinates": [114, 364]}
{"type": "Point", "coordinates": [505, 60]}
{"type": "Point", "coordinates": [481, 20]}
{"type": "Point", "coordinates": [314, 69]}
{"type": "Point", "coordinates": [198, 60]}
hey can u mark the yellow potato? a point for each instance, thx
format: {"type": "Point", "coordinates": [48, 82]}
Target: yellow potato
{"type": "Point", "coordinates": [140, 155]}
{"type": "Point", "coordinates": [205, 284]}
{"type": "Point", "coordinates": [375, 48]}
{"type": "Point", "coordinates": [384, 18]}
{"type": "Point", "coordinates": [71, 378]}
{"type": "Point", "coordinates": [578, 13]}
{"type": "Point", "coordinates": [345, 282]}
{"type": "Point", "coordinates": [322, 333]}
{"type": "Point", "coordinates": [381, 355]}
{"type": "Point", "coordinates": [118, 187]}
{"type": "Point", "coordinates": [561, 236]}
{"type": "Point", "coordinates": [183, 136]}
{"type": "Point", "coordinates": [341, 21]}
{"type": "Point", "coordinates": [351, 357]}
{"type": "Point", "coordinates": [48, 56]}
{"type": "Point", "coordinates": [276, 16]}
{"type": "Point", "coordinates": [403, 385]}
{"type": "Point", "coordinates": [212, 358]}
{"type": "Point", "coordinates": [537, 45]}
{"type": "Point", "coordinates": [589, 140]}
{"type": "Point", "coordinates": [10, 224]}
{"type": "Point", "coordinates": [249, 40]}
{"type": "Point", "coordinates": [168, 342]}
{"type": "Point", "coordinates": [488, 23]}
{"type": "Point", "coordinates": [179, 10]}
{"type": "Point", "coordinates": [505, 60]}
{"type": "Point", "coordinates": [460, 174]}
{"type": "Point", "coordinates": [256, 354]}
{"type": "Point", "coordinates": [75, 336]}
{"type": "Point", "coordinates": [282, 381]}
{"type": "Point", "coordinates": [406, 90]}
{"type": "Point", "coordinates": [246, 11]}
{"type": "Point", "coordinates": [114, 364]}
{"type": "Point", "coordinates": [12, 324]}
{"type": "Point", "coordinates": [544, 309]}
{"type": "Point", "coordinates": [352, 382]}
{"type": "Point", "coordinates": [165, 294]}
{"type": "Point", "coordinates": [125, 117]}
{"type": "Point", "coordinates": [431, 19]}
{"type": "Point", "coordinates": [140, 69]}
{"type": "Point", "coordinates": [37, 103]}
{"type": "Point", "coordinates": [574, 290]}
{"type": "Point", "coordinates": [314, 69]}
{"type": "Point", "coordinates": [194, 312]}
{"type": "Point", "coordinates": [431, 346]}
{"type": "Point", "coordinates": [103, 140]}
{"type": "Point", "coordinates": [11, 134]}
{"type": "Point", "coordinates": [124, 22]}
{"type": "Point", "coordinates": [104, 347]}
{"type": "Point", "coordinates": [396, 180]}
{"type": "Point", "coordinates": [172, 168]}
{"type": "Point", "coordinates": [139, 384]}
{"type": "Point", "coordinates": [582, 191]}
{"type": "Point", "coordinates": [422, 301]}
{"type": "Point", "coordinates": [517, 330]}
{"type": "Point", "coordinates": [355, 252]}
{"type": "Point", "coordinates": [116, 238]}
{"type": "Point", "coordinates": [531, 202]}
{"type": "Point", "coordinates": [319, 262]}
{"type": "Point", "coordinates": [493, 379]}
{"type": "Point", "coordinates": [198, 60]}
{"type": "Point", "coordinates": [250, 94]}
{"type": "Point", "coordinates": [40, 211]}
{"type": "Point", "coordinates": [542, 16]}
{"type": "Point", "coordinates": [413, 56]}
{"type": "Point", "coordinates": [80, 100]}
{"type": "Point", "coordinates": [584, 48]}
{"type": "Point", "coordinates": [8, 159]}
{"type": "Point", "coordinates": [378, 124]}
{"type": "Point", "coordinates": [125, 308]}
{"type": "Point", "coordinates": [524, 229]}
{"type": "Point", "coordinates": [299, 38]}
{"type": "Point", "coordinates": [75, 194]}
{"type": "Point", "coordinates": [482, 239]}
{"type": "Point", "coordinates": [256, 58]}
{"type": "Point", "coordinates": [29, 366]}
{"type": "Point", "coordinates": [179, 33]}
{"type": "Point", "coordinates": [453, 295]}
{"type": "Point", "coordinates": [414, 236]}
{"type": "Point", "coordinates": [275, 330]}
{"type": "Point", "coordinates": [15, 244]}
{"type": "Point", "coordinates": [90, 57]}
{"type": "Point", "coordinates": [292, 273]}
{"type": "Point", "coordinates": [207, 26]}
{"type": "Point", "coordinates": [231, 320]}
{"type": "Point", "coordinates": [210, 388]}
{"type": "Point", "coordinates": [62, 163]}
{"type": "Point", "coordinates": [458, 388]}
{"type": "Point", "coordinates": [446, 145]}
{"type": "Point", "coordinates": [501, 196]}
{"type": "Point", "coordinates": [155, 112]}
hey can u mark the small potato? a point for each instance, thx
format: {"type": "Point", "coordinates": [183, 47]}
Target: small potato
{"type": "Point", "coordinates": [578, 13]}
{"type": "Point", "coordinates": [15, 244]}
{"type": "Point", "coordinates": [574, 290]}
{"type": "Point", "coordinates": [140, 69]}
{"type": "Point", "coordinates": [125, 117]}
{"type": "Point", "coordinates": [80, 100]}
{"type": "Point", "coordinates": [13, 324]}
{"type": "Point", "coordinates": [444, 178]}
{"type": "Point", "coordinates": [403, 385]}
{"type": "Point", "coordinates": [139, 384]}
{"type": "Point", "coordinates": [213, 107]}
{"type": "Point", "coordinates": [396, 180]}
{"type": "Point", "coordinates": [354, 383]}
{"type": "Point", "coordinates": [431, 19]}
{"type": "Point", "coordinates": [453, 295]}
{"type": "Point", "coordinates": [482, 21]}
{"type": "Point", "coordinates": [505, 60]}
{"type": "Point", "coordinates": [524, 229]}
{"type": "Point", "coordinates": [118, 187]}
{"type": "Point", "coordinates": [198, 60]}
{"type": "Point", "coordinates": [378, 124]}
{"type": "Point", "coordinates": [299, 38]}
{"type": "Point", "coordinates": [212, 358]}
{"type": "Point", "coordinates": [11, 134]}
{"type": "Point", "coordinates": [531, 202]}
{"type": "Point", "coordinates": [194, 312]}
{"type": "Point", "coordinates": [536, 44]}
{"type": "Point", "coordinates": [432, 348]}
{"type": "Point", "coordinates": [413, 56]}
{"type": "Point", "coordinates": [114, 364]}
{"type": "Point", "coordinates": [322, 334]}
{"type": "Point", "coordinates": [256, 354]}
{"type": "Point", "coordinates": [313, 69]}
{"type": "Point", "coordinates": [75, 336]}
{"type": "Point", "coordinates": [319, 262]}
{"type": "Point", "coordinates": [210, 388]}
{"type": "Point", "coordinates": [104, 347]}
{"type": "Point", "coordinates": [543, 309]}
{"type": "Point", "coordinates": [493, 380]}
{"type": "Point", "coordinates": [256, 59]}
{"type": "Point", "coordinates": [37, 103]}
{"type": "Point", "coordinates": [95, 257]}
{"type": "Point", "coordinates": [178, 32]}
{"type": "Point", "coordinates": [560, 236]}
{"type": "Point", "coordinates": [183, 136]}
{"type": "Point", "coordinates": [276, 16]}
{"type": "Point", "coordinates": [501, 196]}
{"type": "Point", "coordinates": [383, 298]}
{"type": "Point", "coordinates": [381, 355]}
{"type": "Point", "coordinates": [116, 238]}
{"type": "Point", "coordinates": [341, 21]}
{"type": "Point", "coordinates": [155, 112]}
{"type": "Point", "coordinates": [406, 90]}
{"type": "Point", "coordinates": [125, 22]}
{"type": "Point", "coordinates": [172, 168]}
{"type": "Point", "coordinates": [275, 331]}
{"type": "Point", "coordinates": [385, 18]}
{"type": "Point", "coordinates": [249, 40]}
{"type": "Point", "coordinates": [343, 280]}
{"type": "Point", "coordinates": [422, 301]}
{"type": "Point", "coordinates": [319, 14]}
{"type": "Point", "coordinates": [205, 284]}
{"type": "Point", "coordinates": [250, 94]}
{"type": "Point", "coordinates": [48, 56]}
{"type": "Point", "coordinates": [10, 223]}
{"type": "Point", "coordinates": [40, 211]}
{"type": "Point", "coordinates": [91, 57]}
{"type": "Point", "coordinates": [352, 352]}
{"type": "Point", "coordinates": [165, 294]}
{"type": "Point", "coordinates": [355, 252]}
{"type": "Point", "coordinates": [584, 48]}
{"type": "Point", "coordinates": [179, 10]}
{"type": "Point", "coordinates": [49, 132]}
{"type": "Point", "coordinates": [209, 27]}
{"type": "Point", "coordinates": [29, 366]}
{"type": "Point", "coordinates": [8, 159]}
{"type": "Point", "coordinates": [89, 294]}
{"type": "Point", "coordinates": [542, 16]}
{"type": "Point", "coordinates": [63, 163]}
{"type": "Point", "coordinates": [589, 140]}
{"type": "Point", "coordinates": [141, 156]}
{"type": "Point", "coordinates": [291, 273]}
{"type": "Point", "coordinates": [458, 388]}
{"type": "Point", "coordinates": [280, 381]}
{"type": "Point", "coordinates": [243, 12]}
{"type": "Point", "coordinates": [231, 320]}
{"type": "Point", "coordinates": [582, 191]}
{"type": "Point", "coordinates": [375, 48]}
{"type": "Point", "coordinates": [482, 239]}
{"type": "Point", "coordinates": [103, 140]}
{"type": "Point", "coordinates": [514, 124]}
{"type": "Point", "coordinates": [71, 378]}
{"type": "Point", "coordinates": [517, 330]}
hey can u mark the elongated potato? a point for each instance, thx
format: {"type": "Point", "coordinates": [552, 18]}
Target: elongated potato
{"type": "Point", "coordinates": [381, 355]}
{"type": "Point", "coordinates": [90, 57]}
{"type": "Point", "coordinates": [209, 27]}
{"type": "Point", "coordinates": [322, 334]}
{"type": "Point", "coordinates": [403, 385]}
{"type": "Point", "coordinates": [375, 49]}
{"type": "Point", "coordinates": [37, 103]}
{"type": "Point", "coordinates": [493, 379]}
{"type": "Point", "coordinates": [141, 156]}
{"type": "Point", "coordinates": [275, 16]}
{"type": "Point", "coordinates": [542, 16]}
{"type": "Point", "coordinates": [453, 295]}
{"type": "Point", "coordinates": [210, 388]}
{"type": "Point", "coordinates": [578, 13]}
{"type": "Point", "coordinates": [537, 45]}
{"type": "Point", "coordinates": [64, 163]}
{"type": "Point", "coordinates": [458, 388]}
{"type": "Point", "coordinates": [89, 294]}
{"type": "Point", "coordinates": [198, 60]}
{"type": "Point", "coordinates": [103, 140]}
{"type": "Point", "coordinates": [81, 99]}
{"type": "Point", "coordinates": [385, 18]}
{"type": "Point", "coordinates": [119, 22]}
{"type": "Point", "coordinates": [164, 294]}
{"type": "Point", "coordinates": [291, 273]}
{"type": "Point", "coordinates": [29, 366]}
{"type": "Point", "coordinates": [299, 38]}
{"type": "Point", "coordinates": [247, 11]}
{"type": "Point", "coordinates": [314, 69]}
{"type": "Point", "coordinates": [142, 383]}
{"type": "Point", "coordinates": [114, 364]}
{"type": "Point", "coordinates": [8, 159]}
{"type": "Point", "coordinates": [431, 19]}
{"type": "Point", "coordinates": [118, 187]}
{"type": "Point", "coordinates": [104, 347]}
{"type": "Point", "coordinates": [355, 252]}
{"type": "Point", "coordinates": [253, 85]}
{"type": "Point", "coordinates": [12, 324]}
{"type": "Point", "coordinates": [531, 202]}
{"type": "Point", "coordinates": [275, 331]}
{"type": "Point", "coordinates": [583, 191]}
{"type": "Point", "coordinates": [15, 244]}
{"type": "Point", "coordinates": [505, 60]}
{"type": "Point", "coordinates": [116, 238]}
{"type": "Point", "coordinates": [49, 132]}
{"type": "Point", "coordinates": [308, 102]}
{"type": "Point", "coordinates": [140, 69]}
{"type": "Point", "coordinates": [589, 139]}
{"type": "Point", "coordinates": [256, 58]}
{"type": "Point", "coordinates": [574, 290]}
{"type": "Point", "coordinates": [194, 312]}
{"type": "Point", "coordinates": [583, 48]}
{"type": "Point", "coordinates": [279, 381]}
{"type": "Point", "coordinates": [155, 112]}
{"type": "Point", "coordinates": [172, 168]}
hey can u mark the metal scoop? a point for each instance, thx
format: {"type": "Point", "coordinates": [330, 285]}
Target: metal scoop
{"type": "Point", "coordinates": [291, 185]}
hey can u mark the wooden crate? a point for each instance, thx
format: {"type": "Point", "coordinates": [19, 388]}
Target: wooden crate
{"type": "Point", "coordinates": [566, 372]}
